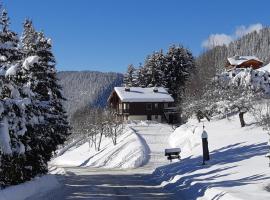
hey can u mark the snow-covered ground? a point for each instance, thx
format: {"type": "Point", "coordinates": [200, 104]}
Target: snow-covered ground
{"type": "Point", "coordinates": [154, 137]}
{"type": "Point", "coordinates": [129, 152]}
{"type": "Point", "coordinates": [141, 143]}
{"type": "Point", "coordinates": [105, 182]}
{"type": "Point", "coordinates": [238, 168]}
{"type": "Point", "coordinates": [39, 185]}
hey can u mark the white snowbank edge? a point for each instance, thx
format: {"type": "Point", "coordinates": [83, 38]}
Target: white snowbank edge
{"type": "Point", "coordinates": [142, 159]}
{"type": "Point", "coordinates": [22, 191]}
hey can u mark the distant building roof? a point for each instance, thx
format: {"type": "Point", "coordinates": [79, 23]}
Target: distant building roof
{"type": "Point", "coordinates": [238, 60]}
{"type": "Point", "coordinates": [139, 94]}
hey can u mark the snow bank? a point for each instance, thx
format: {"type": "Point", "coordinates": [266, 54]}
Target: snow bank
{"type": "Point", "coordinates": [128, 153]}
{"type": "Point", "coordinates": [238, 168]}
{"type": "Point", "coordinates": [61, 151]}
{"type": "Point", "coordinates": [38, 185]}
{"type": "Point", "coordinates": [56, 170]}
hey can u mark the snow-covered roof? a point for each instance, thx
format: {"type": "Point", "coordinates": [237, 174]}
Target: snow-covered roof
{"type": "Point", "coordinates": [238, 60]}
{"type": "Point", "coordinates": [265, 68]}
{"type": "Point", "coordinates": [139, 94]}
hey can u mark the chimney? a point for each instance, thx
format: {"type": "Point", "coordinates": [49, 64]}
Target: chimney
{"type": "Point", "coordinates": [127, 89]}
{"type": "Point", "coordinates": [155, 89]}
{"type": "Point", "coordinates": [237, 57]}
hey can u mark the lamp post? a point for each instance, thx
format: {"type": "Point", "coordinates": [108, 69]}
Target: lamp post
{"type": "Point", "coordinates": [206, 156]}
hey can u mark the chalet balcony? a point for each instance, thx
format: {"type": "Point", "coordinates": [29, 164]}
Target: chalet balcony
{"type": "Point", "coordinates": [125, 110]}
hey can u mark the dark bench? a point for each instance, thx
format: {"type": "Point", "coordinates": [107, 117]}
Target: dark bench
{"type": "Point", "coordinates": [173, 153]}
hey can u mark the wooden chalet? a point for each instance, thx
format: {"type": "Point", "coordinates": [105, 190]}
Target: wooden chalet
{"type": "Point", "coordinates": [137, 103]}
{"type": "Point", "coordinates": [243, 62]}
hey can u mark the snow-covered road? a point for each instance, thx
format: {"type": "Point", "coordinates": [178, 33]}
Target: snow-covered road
{"type": "Point", "coordinates": [155, 137]}
{"type": "Point", "coordinates": [98, 183]}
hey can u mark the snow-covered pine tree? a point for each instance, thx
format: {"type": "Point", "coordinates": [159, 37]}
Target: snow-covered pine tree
{"type": "Point", "coordinates": [28, 39]}
{"type": "Point", "coordinates": [179, 66]}
{"type": "Point", "coordinates": [9, 44]}
{"type": "Point", "coordinates": [130, 76]}
{"type": "Point", "coordinates": [47, 125]}
{"type": "Point", "coordinates": [141, 77]}
{"type": "Point", "coordinates": [12, 110]}
{"type": "Point", "coordinates": [154, 66]}
{"type": "Point", "coordinates": [12, 130]}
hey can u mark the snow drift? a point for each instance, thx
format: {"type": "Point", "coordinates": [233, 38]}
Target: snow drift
{"type": "Point", "coordinates": [38, 185]}
{"type": "Point", "coordinates": [129, 152]}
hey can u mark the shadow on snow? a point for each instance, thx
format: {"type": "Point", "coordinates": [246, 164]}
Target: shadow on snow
{"type": "Point", "coordinates": [194, 180]}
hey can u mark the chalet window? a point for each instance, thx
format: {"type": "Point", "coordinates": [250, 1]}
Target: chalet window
{"type": "Point", "coordinates": [156, 116]}
{"type": "Point", "coordinates": [120, 108]}
{"type": "Point", "coordinates": [156, 105]}
{"type": "Point", "coordinates": [165, 105]}
{"type": "Point", "coordinates": [126, 106]}
{"type": "Point", "coordinates": [149, 106]}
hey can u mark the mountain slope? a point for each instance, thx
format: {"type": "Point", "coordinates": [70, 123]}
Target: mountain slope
{"type": "Point", "coordinates": [87, 87]}
{"type": "Point", "coordinates": [256, 43]}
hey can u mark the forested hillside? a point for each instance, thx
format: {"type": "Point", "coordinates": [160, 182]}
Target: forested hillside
{"type": "Point", "coordinates": [87, 87]}
{"type": "Point", "coordinates": [255, 43]}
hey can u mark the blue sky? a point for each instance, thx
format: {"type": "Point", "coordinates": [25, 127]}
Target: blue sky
{"type": "Point", "coordinates": [107, 35]}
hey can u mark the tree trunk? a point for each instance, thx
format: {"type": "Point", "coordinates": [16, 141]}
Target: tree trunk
{"type": "Point", "coordinates": [99, 142]}
{"type": "Point", "coordinates": [242, 121]}
{"type": "Point", "coordinates": [206, 116]}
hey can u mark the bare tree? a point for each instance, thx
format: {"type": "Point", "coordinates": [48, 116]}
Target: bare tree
{"type": "Point", "coordinates": [93, 124]}
{"type": "Point", "coordinates": [262, 115]}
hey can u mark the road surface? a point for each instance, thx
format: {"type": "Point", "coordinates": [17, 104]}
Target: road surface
{"type": "Point", "coordinates": [98, 183]}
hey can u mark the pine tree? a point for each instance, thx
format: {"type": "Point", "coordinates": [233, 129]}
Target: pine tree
{"type": "Point", "coordinates": [142, 77]}
{"type": "Point", "coordinates": [12, 114]}
{"type": "Point", "coordinates": [32, 119]}
{"type": "Point", "coordinates": [9, 52]}
{"type": "Point", "coordinates": [47, 125]}
{"type": "Point", "coordinates": [179, 67]}
{"type": "Point", "coordinates": [154, 66]}
{"type": "Point", "coordinates": [12, 130]}
{"type": "Point", "coordinates": [129, 77]}
{"type": "Point", "coordinates": [28, 39]}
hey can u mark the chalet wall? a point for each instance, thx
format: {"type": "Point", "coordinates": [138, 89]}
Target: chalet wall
{"type": "Point", "coordinates": [141, 108]}
{"type": "Point", "coordinates": [144, 117]}
{"type": "Point", "coordinates": [137, 117]}
{"type": "Point", "coordinates": [159, 118]}
{"type": "Point", "coordinates": [255, 64]}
